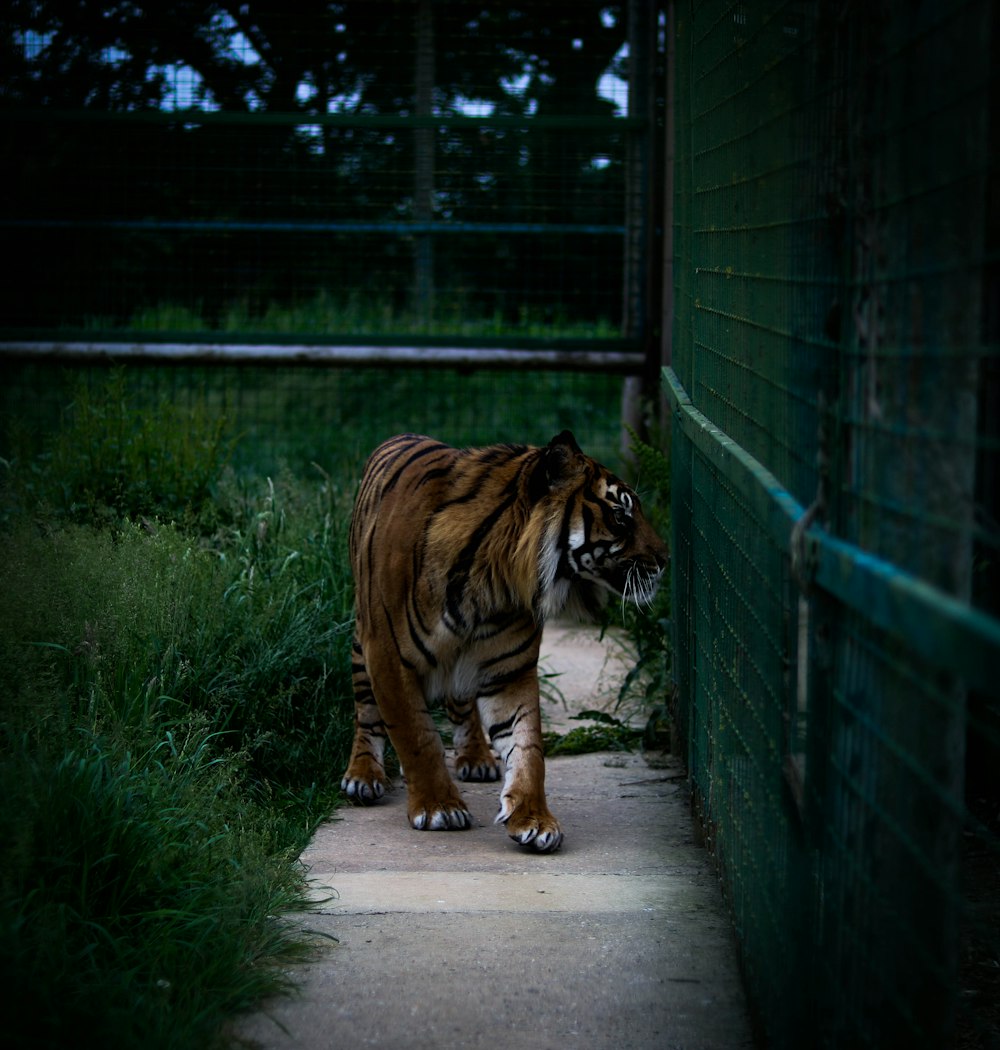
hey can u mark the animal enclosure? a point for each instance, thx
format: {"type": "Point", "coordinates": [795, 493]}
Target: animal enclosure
{"type": "Point", "coordinates": [834, 389]}
{"type": "Point", "coordinates": [473, 220]}
{"type": "Point", "coordinates": [395, 185]}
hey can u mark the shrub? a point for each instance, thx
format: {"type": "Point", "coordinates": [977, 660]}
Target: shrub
{"type": "Point", "coordinates": [116, 455]}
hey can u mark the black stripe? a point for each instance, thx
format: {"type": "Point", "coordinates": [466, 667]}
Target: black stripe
{"type": "Point", "coordinates": [478, 479]}
{"type": "Point", "coordinates": [564, 568]}
{"type": "Point", "coordinates": [434, 474]}
{"type": "Point", "coordinates": [525, 645]}
{"type": "Point", "coordinates": [501, 623]}
{"type": "Point", "coordinates": [416, 570]}
{"type": "Point", "coordinates": [426, 450]}
{"type": "Point", "coordinates": [501, 729]}
{"type": "Point", "coordinates": [417, 640]}
{"type": "Point", "coordinates": [459, 574]}
{"type": "Point", "coordinates": [499, 683]}
{"type": "Point", "coordinates": [395, 641]}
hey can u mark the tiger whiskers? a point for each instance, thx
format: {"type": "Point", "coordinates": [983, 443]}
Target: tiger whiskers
{"type": "Point", "coordinates": [640, 587]}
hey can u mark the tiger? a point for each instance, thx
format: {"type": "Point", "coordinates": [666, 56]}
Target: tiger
{"type": "Point", "coordinates": [459, 557]}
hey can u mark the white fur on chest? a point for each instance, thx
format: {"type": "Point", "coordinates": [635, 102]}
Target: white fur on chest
{"type": "Point", "coordinates": [457, 675]}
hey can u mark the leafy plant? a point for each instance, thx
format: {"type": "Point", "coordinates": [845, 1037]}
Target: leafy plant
{"type": "Point", "coordinates": [608, 734]}
{"type": "Point", "coordinates": [177, 713]}
{"type": "Point", "coordinates": [137, 892]}
{"type": "Point", "coordinates": [649, 680]}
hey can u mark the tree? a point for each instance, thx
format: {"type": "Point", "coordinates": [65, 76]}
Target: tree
{"type": "Point", "coordinates": [358, 58]}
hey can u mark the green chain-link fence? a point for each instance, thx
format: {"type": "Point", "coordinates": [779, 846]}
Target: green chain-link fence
{"type": "Point", "coordinates": [381, 185]}
{"type": "Point", "coordinates": [834, 388]}
{"type": "Point", "coordinates": [348, 170]}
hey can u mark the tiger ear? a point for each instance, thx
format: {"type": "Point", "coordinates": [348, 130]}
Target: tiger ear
{"type": "Point", "coordinates": [558, 462]}
{"type": "Point", "coordinates": [566, 438]}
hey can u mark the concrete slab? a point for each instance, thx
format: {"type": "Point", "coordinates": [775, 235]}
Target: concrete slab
{"type": "Point", "coordinates": [462, 939]}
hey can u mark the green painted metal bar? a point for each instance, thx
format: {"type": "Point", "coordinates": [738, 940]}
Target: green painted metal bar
{"type": "Point", "coordinates": [768, 498]}
{"type": "Point", "coordinates": [946, 632]}
{"type": "Point", "coordinates": [326, 120]}
{"type": "Point", "coordinates": [397, 229]}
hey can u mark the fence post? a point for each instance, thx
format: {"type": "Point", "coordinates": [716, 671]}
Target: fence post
{"type": "Point", "coordinates": [423, 180]}
{"type": "Point", "coordinates": [643, 223]}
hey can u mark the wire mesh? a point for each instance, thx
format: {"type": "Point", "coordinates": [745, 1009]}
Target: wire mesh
{"type": "Point", "coordinates": [292, 417]}
{"type": "Point", "coordinates": [359, 169]}
{"type": "Point", "coordinates": [836, 319]}
{"type": "Point", "coordinates": [369, 174]}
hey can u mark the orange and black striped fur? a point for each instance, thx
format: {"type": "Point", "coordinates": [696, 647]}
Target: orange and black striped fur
{"type": "Point", "coordinates": [459, 556]}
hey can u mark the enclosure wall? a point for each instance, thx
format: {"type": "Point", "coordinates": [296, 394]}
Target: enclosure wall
{"type": "Point", "coordinates": [835, 504]}
{"type": "Point", "coordinates": [374, 172]}
{"type": "Point", "coordinates": [449, 192]}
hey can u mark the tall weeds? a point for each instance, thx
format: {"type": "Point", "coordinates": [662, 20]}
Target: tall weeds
{"type": "Point", "coordinates": [175, 719]}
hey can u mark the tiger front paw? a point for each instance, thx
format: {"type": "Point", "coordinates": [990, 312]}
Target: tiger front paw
{"type": "Point", "coordinates": [364, 782]}
{"type": "Point", "coordinates": [530, 824]}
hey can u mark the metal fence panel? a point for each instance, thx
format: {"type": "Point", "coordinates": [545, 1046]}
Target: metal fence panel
{"type": "Point", "coordinates": [432, 169]}
{"type": "Point", "coordinates": [427, 187]}
{"type": "Point", "coordinates": [835, 505]}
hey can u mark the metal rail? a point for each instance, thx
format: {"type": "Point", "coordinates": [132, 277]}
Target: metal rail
{"type": "Point", "coordinates": [945, 631]}
{"type": "Point", "coordinates": [545, 357]}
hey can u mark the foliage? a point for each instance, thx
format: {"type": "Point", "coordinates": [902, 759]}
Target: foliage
{"type": "Point", "coordinates": [104, 84]}
{"type": "Point", "coordinates": [177, 712]}
{"type": "Point", "coordinates": [650, 679]}
{"type": "Point", "coordinates": [280, 658]}
{"type": "Point", "coordinates": [118, 57]}
{"type": "Point", "coordinates": [251, 626]}
{"type": "Point", "coordinates": [606, 733]}
{"type": "Point", "coordinates": [294, 417]}
{"type": "Point", "coordinates": [138, 891]}
{"type": "Point", "coordinates": [118, 455]}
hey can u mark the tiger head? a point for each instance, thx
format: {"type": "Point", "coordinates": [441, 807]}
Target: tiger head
{"type": "Point", "coordinates": [597, 542]}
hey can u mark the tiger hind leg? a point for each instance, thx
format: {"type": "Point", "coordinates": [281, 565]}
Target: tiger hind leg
{"type": "Point", "coordinates": [365, 780]}
{"type": "Point", "coordinates": [474, 758]}
{"type": "Point", "coordinates": [433, 802]}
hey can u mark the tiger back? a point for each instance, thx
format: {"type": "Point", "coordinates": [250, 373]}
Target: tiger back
{"type": "Point", "coordinates": [459, 556]}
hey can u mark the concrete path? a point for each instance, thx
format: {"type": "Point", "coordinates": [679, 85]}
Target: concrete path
{"type": "Point", "coordinates": [462, 940]}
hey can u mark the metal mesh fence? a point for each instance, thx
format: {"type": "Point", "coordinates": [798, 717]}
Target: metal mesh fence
{"type": "Point", "coordinates": [293, 417]}
{"type": "Point", "coordinates": [357, 170]}
{"type": "Point", "coordinates": [238, 228]}
{"type": "Point", "coordinates": [836, 410]}
{"type": "Point", "coordinates": [375, 182]}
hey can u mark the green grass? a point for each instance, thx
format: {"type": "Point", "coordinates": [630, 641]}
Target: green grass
{"type": "Point", "coordinates": [357, 314]}
{"type": "Point", "coordinates": [140, 892]}
{"type": "Point", "coordinates": [117, 454]}
{"type": "Point", "coordinates": [293, 417]}
{"type": "Point", "coordinates": [176, 717]}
